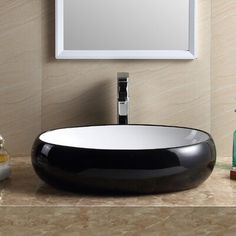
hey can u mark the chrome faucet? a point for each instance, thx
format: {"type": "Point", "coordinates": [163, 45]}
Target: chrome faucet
{"type": "Point", "coordinates": [122, 98]}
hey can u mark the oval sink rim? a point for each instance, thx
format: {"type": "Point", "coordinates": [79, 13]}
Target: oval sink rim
{"type": "Point", "coordinates": [208, 137]}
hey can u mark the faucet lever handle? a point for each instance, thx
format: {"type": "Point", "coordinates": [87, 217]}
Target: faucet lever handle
{"type": "Point", "coordinates": [122, 75]}
{"type": "Point", "coordinates": [122, 79]}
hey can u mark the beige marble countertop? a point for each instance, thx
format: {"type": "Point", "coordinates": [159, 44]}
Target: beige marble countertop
{"type": "Point", "coordinates": [24, 188]}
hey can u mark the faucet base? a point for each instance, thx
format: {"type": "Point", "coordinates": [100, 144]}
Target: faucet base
{"type": "Point", "coordinates": [123, 120]}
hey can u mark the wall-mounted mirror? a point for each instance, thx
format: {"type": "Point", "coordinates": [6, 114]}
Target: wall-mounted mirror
{"type": "Point", "coordinates": [126, 29]}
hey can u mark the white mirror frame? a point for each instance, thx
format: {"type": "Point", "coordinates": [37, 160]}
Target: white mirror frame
{"type": "Point", "coordinates": [61, 53]}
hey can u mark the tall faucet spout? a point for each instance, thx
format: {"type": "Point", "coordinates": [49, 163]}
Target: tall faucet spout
{"type": "Point", "coordinates": [122, 98]}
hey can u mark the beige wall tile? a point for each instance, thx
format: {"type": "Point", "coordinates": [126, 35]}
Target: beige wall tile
{"type": "Point", "coordinates": [20, 73]}
{"type": "Point", "coordinates": [223, 119]}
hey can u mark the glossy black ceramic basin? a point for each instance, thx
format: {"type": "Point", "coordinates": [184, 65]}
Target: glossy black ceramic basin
{"type": "Point", "coordinates": [124, 158]}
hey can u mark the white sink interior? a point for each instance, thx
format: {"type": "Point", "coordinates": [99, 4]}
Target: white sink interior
{"type": "Point", "coordinates": [124, 137]}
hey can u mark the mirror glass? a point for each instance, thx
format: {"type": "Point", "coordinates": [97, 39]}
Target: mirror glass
{"type": "Point", "coordinates": [125, 29]}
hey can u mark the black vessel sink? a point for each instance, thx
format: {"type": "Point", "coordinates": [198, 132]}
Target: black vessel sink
{"type": "Point", "coordinates": [124, 158]}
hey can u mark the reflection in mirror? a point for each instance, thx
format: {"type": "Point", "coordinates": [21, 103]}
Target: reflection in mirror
{"type": "Point", "coordinates": [125, 29]}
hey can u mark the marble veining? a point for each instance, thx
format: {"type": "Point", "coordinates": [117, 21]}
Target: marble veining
{"type": "Point", "coordinates": [123, 221]}
{"type": "Point", "coordinates": [24, 188]}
